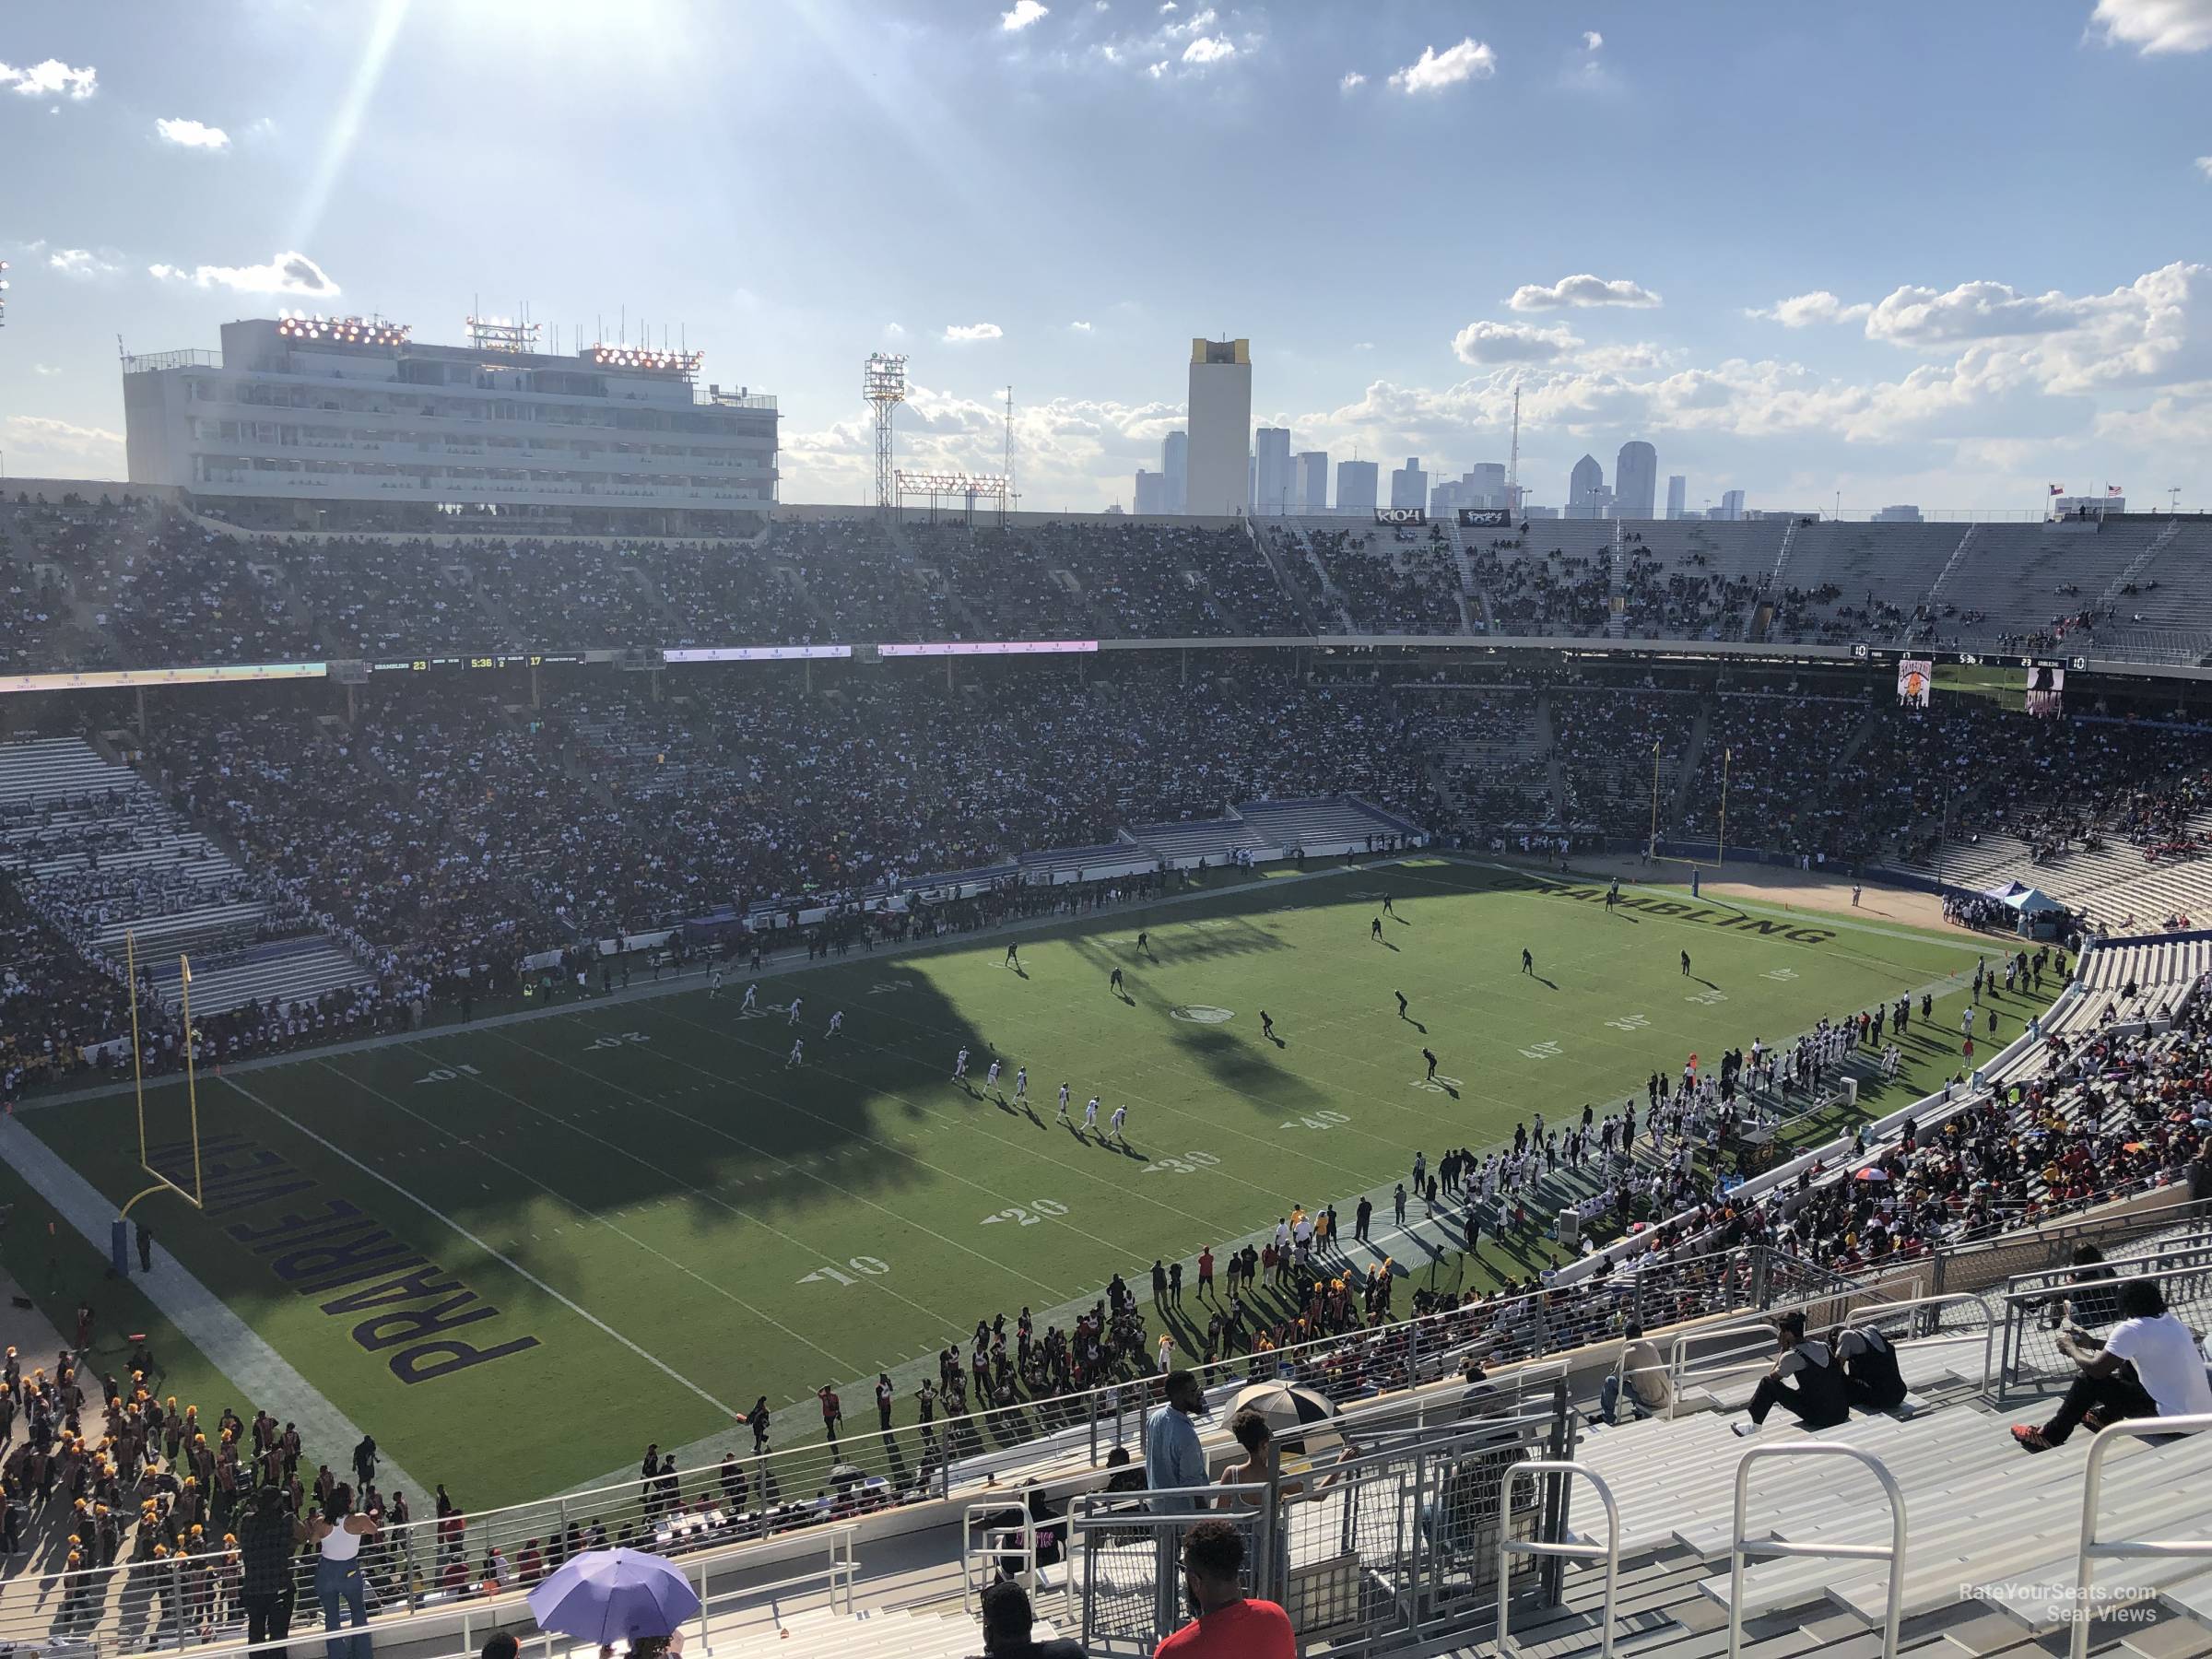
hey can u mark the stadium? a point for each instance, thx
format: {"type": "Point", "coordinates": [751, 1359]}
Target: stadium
{"type": "Point", "coordinates": [556, 1001]}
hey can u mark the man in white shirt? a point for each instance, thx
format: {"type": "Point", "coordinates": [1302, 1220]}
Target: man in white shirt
{"type": "Point", "coordinates": [2169, 1377]}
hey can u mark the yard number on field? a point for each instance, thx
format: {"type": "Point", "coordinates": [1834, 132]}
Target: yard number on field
{"type": "Point", "coordinates": [1318, 1120]}
{"type": "Point", "coordinates": [1780, 974]}
{"type": "Point", "coordinates": [1542, 1050]}
{"type": "Point", "coordinates": [446, 1074]}
{"type": "Point", "coordinates": [1628, 1022]}
{"type": "Point", "coordinates": [613, 1040]}
{"type": "Point", "coordinates": [1190, 1163]}
{"type": "Point", "coordinates": [1036, 1210]}
{"type": "Point", "coordinates": [881, 987]}
{"type": "Point", "coordinates": [1708, 997]}
{"type": "Point", "coordinates": [868, 1266]}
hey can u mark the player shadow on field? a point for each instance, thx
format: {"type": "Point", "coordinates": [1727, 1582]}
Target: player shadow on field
{"type": "Point", "coordinates": [1704, 982]}
{"type": "Point", "coordinates": [1236, 1065]}
{"type": "Point", "coordinates": [1415, 1024]}
{"type": "Point", "coordinates": [1547, 984]}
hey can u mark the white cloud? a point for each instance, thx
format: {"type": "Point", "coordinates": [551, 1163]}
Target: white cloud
{"type": "Point", "coordinates": [1592, 40]}
{"type": "Point", "coordinates": [1582, 290]}
{"type": "Point", "coordinates": [958, 332]}
{"type": "Point", "coordinates": [1802, 311]}
{"type": "Point", "coordinates": [894, 331]}
{"type": "Point", "coordinates": [2204, 165]}
{"type": "Point", "coordinates": [44, 370]}
{"type": "Point", "coordinates": [1196, 23]}
{"type": "Point", "coordinates": [192, 135]}
{"type": "Point", "coordinates": [80, 265]}
{"type": "Point", "coordinates": [50, 79]}
{"type": "Point", "coordinates": [285, 273]}
{"type": "Point", "coordinates": [1352, 81]}
{"type": "Point", "coordinates": [40, 446]}
{"type": "Point", "coordinates": [1025, 13]}
{"type": "Point", "coordinates": [1208, 49]}
{"type": "Point", "coordinates": [1080, 327]}
{"type": "Point", "coordinates": [1972, 310]}
{"type": "Point", "coordinates": [1156, 70]}
{"type": "Point", "coordinates": [1481, 343]}
{"type": "Point", "coordinates": [1470, 60]}
{"type": "Point", "coordinates": [2153, 26]}
{"type": "Point", "coordinates": [1165, 10]}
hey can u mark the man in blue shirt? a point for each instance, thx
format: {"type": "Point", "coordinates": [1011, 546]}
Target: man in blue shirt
{"type": "Point", "coordinates": [1174, 1459]}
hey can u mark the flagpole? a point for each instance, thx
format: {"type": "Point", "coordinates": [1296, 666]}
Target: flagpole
{"type": "Point", "coordinates": [130, 969]}
{"type": "Point", "coordinates": [1721, 852]}
{"type": "Point", "coordinates": [1654, 800]}
{"type": "Point", "coordinates": [191, 1079]}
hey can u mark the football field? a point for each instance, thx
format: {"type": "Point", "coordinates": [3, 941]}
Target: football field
{"type": "Point", "coordinates": [517, 1251]}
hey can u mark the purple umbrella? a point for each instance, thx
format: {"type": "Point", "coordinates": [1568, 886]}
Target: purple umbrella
{"type": "Point", "coordinates": [607, 1595]}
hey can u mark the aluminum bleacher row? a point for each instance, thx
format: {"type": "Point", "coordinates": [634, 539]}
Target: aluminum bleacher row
{"type": "Point", "coordinates": [102, 855]}
{"type": "Point", "coordinates": [2162, 970]}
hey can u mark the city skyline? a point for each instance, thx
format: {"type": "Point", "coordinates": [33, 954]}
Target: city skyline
{"type": "Point", "coordinates": [195, 169]}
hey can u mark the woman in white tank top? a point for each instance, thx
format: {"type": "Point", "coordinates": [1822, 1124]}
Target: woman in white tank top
{"type": "Point", "coordinates": [338, 1535]}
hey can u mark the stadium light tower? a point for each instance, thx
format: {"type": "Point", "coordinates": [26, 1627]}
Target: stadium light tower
{"type": "Point", "coordinates": [883, 385]}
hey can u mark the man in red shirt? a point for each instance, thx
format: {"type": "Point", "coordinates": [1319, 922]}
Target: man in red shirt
{"type": "Point", "coordinates": [1227, 1625]}
{"type": "Point", "coordinates": [833, 1413]}
{"type": "Point", "coordinates": [1205, 1271]}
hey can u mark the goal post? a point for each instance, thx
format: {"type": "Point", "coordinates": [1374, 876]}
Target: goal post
{"type": "Point", "coordinates": [164, 1179]}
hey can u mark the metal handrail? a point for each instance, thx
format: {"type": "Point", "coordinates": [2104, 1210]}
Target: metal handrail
{"type": "Point", "coordinates": [2092, 1548]}
{"type": "Point", "coordinates": [1677, 1374]}
{"type": "Point", "coordinates": [1508, 1546]}
{"type": "Point", "coordinates": [476, 1612]}
{"type": "Point", "coordinates": [1019, 1552]}
{"type": "Point", "coordinates": [1741, 1547]}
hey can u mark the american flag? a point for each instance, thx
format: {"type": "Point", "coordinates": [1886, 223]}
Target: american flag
{"type": "Point", "coordinates": [2114, 489]}
{"type": "Point", "coordinates": [2058, 490]}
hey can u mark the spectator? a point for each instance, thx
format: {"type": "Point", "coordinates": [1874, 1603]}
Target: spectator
{"type": "Point", "coordinates": [1639, 1374]}
{"type": "Point", "coordinates": [268, 1534]}
{"type": "Point", "coordinates": [1229, 1624]}
{"type": "Point", "coordinates": [1009, 1622]}
{"type": "Point", "coordinates": [1871, 1380]}
{"type": "Point", "coordinates": [1815, 1399]}
{"type": "Point", "coordinates": [2149, 1365]}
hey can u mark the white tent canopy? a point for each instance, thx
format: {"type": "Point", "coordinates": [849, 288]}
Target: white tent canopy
{"type": "Point", "coordinates": [2019, 896]}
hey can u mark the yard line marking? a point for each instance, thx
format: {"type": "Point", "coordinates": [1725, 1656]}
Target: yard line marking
{"type": "Point", "coordinates": [500, 1256]}
{"type": "Point", "coordinates": [949, 1120]}
{"type": "Point", "coordinates": [763, 1152]}
{"type": "Point", "coordinates": [591, 1215]}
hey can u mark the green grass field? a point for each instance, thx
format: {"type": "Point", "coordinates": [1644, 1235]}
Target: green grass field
{"type": "Point", "coordinates": [626, 1221]}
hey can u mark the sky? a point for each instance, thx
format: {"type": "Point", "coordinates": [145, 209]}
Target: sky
{"type": "Point", "coordinates": [1945, 254]}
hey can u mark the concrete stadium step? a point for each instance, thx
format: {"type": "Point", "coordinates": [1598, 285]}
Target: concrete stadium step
{"type": "Point", "coordinates": [309, 967]}
{"type": "Point", "coordinates": [862, 1635]}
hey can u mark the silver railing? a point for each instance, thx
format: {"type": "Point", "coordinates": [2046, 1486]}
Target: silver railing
{"type": "Point", "coordinates": [1742, 1548]}
{"type": "Point", "coordinates": [1926, 1332]}
{"type": "Point", "coordinates": [2037, 1307]}
{"type": "Point", "coordinates": [1608, 1552]}
{"type": "Point", "coordinates": [2092, 1548]}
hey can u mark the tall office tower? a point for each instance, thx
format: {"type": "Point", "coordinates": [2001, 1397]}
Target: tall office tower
{"type": "Point", "coordinates": [1678, 494]}
{"type": "Point", "coordinates": [1220, 467]}
{"type": "Point", "coordinates": [1175, 470]}
{"type": "Point", "coordinates": [1271, 471]}
{"type": "Point", "coordinates": [1151, 492]}
{"type": "Point", "coordinates": [1582, 485]}
{"type": "Point", "coordinates": [1310, 483]}
{"type": "Point", "coordinates": [1356, 483]}
{"type": "Point", "coordinates": [1635, 480]}
{"type": "Point", "coordinates": [1409, 485]}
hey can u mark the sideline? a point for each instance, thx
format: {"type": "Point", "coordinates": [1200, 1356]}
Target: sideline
{"type": "Point", "coordinates": [264, 1377]}
{"type": "Point", "coordinates": [682, 980]}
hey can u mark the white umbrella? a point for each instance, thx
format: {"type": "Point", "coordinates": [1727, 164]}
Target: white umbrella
{"type": "Point", "coordinates": [1292, 1411]}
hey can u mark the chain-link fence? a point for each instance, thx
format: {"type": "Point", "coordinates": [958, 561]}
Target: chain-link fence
{"type": "Point", "coordinates": [2082, 1304]}
{"type": "Point", "coordinates": [1394, 1542]}
{"type": "Point", "coordinates": [191, 1593]}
